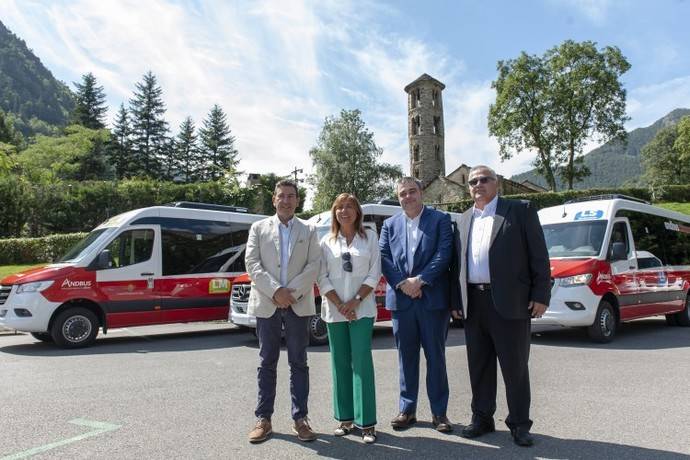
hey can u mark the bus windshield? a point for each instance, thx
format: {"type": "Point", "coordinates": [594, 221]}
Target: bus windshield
{"type": "Point", "coordinates": [575, 239]}
{"type": "Point", "coordinates": [84, 246]}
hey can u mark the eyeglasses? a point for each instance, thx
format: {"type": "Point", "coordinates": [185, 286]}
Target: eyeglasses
{"type": "Point", "coordinates": [479, 180]}
{"type": "Point", "coordinates": [347, 261]}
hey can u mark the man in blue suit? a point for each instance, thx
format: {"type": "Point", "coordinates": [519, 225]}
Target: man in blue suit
{"type": "Point", "coordinates": [416, 248]}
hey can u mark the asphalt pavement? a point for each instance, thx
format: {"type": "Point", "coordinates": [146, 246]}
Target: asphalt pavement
{"type": "Point", "coordinates": [188, 392]}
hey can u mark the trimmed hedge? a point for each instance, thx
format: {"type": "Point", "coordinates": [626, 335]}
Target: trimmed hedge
{"type": "Point", "coordinates": [67, 207]}
{"type": "Point", "coordinates": [19, 251]}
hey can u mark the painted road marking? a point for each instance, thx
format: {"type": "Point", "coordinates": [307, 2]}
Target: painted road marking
{"type": "Point", "coordinates": [96, 429]}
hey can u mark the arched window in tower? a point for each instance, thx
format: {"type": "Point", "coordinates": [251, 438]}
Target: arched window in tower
{"type": "Point", "coordinates": [437, 125]}
{"type": "Point", "coordinates": [415, 151]}
{"type": "Point", "coordinates": [418, 97]}
{"type": "Point", "coordinates": [416, 125]}
{"type": "Point", "coordinates": [434, 98]}
{"type": "Point", "coordinates": [437, 152]}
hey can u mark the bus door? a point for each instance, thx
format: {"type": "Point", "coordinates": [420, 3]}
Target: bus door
{"type": "Point", "coordinates": [128, 281]}
{"type": "Point", "coordinates": [624, 267]}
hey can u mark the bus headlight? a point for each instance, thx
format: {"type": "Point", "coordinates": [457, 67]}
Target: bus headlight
{"type": "Point", "coordinates": [37, 286]}
{"type": "Point", "coordinates": [577, 280]}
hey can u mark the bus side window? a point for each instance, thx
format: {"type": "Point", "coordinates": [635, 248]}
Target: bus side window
{"type": "Point", "coordinates": [619, 234]}
{"type": "Point", "coordinates": [131, 247]}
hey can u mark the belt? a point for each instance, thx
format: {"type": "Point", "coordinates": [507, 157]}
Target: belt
{"type": "Point", "coordinates": [479, 286]}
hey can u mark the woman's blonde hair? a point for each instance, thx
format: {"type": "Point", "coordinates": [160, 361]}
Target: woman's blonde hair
{"type": "Point", "coordinates": [339, 201]}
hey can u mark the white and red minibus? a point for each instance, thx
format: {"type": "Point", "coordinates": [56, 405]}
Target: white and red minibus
{"type": "Point", "coordinates": [163, 264]}
{"type": "Point", "coordinates": [614, 259]}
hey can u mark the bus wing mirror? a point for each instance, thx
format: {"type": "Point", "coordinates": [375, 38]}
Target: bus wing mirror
{"type": "Point", "coordinates": [618, 252]}
{"type": "Point", "coordinates": [103, 261]}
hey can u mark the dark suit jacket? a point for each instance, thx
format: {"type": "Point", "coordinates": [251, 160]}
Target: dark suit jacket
{"type": "Point", "coordinates": [430, 262]}
{"type": "Point", "coordinates": [518, 259]}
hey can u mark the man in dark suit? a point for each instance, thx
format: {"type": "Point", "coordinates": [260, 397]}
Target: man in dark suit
{"type": "Point", "coordinates": [504, 281]}
{"type": "Point", "coordinates": [416, 248]}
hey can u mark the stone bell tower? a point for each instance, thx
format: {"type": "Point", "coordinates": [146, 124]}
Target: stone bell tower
{"type": "Point", "coordinates": [425, 128]}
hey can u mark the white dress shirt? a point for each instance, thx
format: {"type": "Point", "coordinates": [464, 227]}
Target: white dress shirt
{"type": "Point", "coordinates": [480, 242]}
{"type": "Point", "coordinates": [366, 269]}
{"type": "Point", "coordinates": [285, 250]}
{"type": "Point", "coordinates": [412, 230]}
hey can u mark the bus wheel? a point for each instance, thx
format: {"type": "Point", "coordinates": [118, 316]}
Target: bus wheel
{"type": "Point", "coordinates": [75, 328]}
{"type": "Point", "coordinates": [42, 336]}
{"type": "Point", "coordinates": [318, 333]}
{"type": "Point", "coordinates": [604, 327]}
{"type": "Point", "coordinates": [671, 319]}
{"type": "Point", "coordinates": [683, 317]}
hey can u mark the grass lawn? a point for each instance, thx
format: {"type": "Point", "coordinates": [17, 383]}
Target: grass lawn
{"type": "Point", "coordinates": [11, 269]}
{"type": "Point", "coordinates": [679, 207]}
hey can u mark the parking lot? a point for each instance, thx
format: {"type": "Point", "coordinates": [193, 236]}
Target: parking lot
{"type": "Point", "coordinates": [188, 391]}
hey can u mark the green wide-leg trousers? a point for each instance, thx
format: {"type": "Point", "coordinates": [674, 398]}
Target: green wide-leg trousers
{"type": "Point", "coordinates": [354, 392]}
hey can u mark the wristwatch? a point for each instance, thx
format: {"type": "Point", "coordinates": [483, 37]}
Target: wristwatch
{"type": "Point", "coordinates": [359, 297]}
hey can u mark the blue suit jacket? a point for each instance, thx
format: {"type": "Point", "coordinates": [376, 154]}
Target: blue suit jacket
{"type": "Point", "coordinates": [431, 259]}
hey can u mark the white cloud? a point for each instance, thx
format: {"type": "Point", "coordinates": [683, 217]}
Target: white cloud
{"type": "Point", "coordinates": [646, 104]}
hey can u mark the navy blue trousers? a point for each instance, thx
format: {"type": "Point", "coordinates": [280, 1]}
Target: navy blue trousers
{"type": "Point", "coordinates": [417, 328]}
{"type": "Point", "coordinates": [269, 332]}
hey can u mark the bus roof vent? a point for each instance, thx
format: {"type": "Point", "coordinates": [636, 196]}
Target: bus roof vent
{"type": "Point", "coordinates": [612, 196]}
{"type": "Point", "coordinates": [206, 206]}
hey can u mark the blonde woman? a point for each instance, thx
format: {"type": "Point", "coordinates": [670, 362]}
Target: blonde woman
{"type": "Point", "coordinates": [350, 270]}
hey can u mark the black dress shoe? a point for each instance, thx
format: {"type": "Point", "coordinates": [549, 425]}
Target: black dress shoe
{"type": "Point", "coordinates": [442, 423]}
{"type": "Point", "coordinates": [521, 436]}
{"type": "Point", "coordinates": [478, 428]}
{"type": "Point", "coordinates": [403, 421]}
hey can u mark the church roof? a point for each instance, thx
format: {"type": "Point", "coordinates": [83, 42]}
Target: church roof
{"type": "Point", "coordinates": [424, 77]}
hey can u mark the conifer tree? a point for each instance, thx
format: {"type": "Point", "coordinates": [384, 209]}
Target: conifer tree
{"type": "Point", "coordinates": [90, 107]}
{"type": "Point", "coordinates": [150, 142]}
{"type": "Point", "coordinates": [218, 146]}
{"type": "Point", "coordinates": [120, 148]}
{"type": "Point", "coordinates": [187, 157]}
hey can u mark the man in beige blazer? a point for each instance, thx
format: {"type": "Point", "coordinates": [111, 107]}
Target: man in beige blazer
{"type": "Point", "coordinates": [283, 260]}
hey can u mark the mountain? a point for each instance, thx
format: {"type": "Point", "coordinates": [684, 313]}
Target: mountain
{"type": "Point", "coordinates": [28, 89]}
{"type": "Point", "coordinates": [615, 163]}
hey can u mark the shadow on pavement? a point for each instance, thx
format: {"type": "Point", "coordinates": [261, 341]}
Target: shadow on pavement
{"type": "Point", "coordinates": [647, 334]}
{"type": "Point", "coordinates": [139, 343]}
{"type": "Point", "coordinates": [497, 445]}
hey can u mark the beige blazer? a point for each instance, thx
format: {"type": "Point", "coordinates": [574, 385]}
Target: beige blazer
{"type": "Point", "coordinates": [262, 259]}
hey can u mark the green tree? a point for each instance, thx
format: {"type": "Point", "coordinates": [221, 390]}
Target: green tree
{"type": "Point", "coordinates": [666, 158]}
{"type": "Point", "coordinates": [520, 118]}
{"type": "Point", "coordinates": [553, 103]}
{"type": "Point", "coordinates": [187, 156]}
{"type": "Point", "coordinates": [682, 144]}
{"type": "Point", "coordinates": [149, 128]}
{"type": "Point", "coordinates": [89, 108]}
{"type": "Point", "coordinates": [218, 145]}
{"type": "Point", "coordinates": [588, 100]}
{"type": "Point", "coordinates": [346, 159]}
{"type": "Point", "coordinates": [120, 147]}
{"type": "Point", "coordinates": [78, 155]}
{"type": "Point", "coordinates": [8, 133]}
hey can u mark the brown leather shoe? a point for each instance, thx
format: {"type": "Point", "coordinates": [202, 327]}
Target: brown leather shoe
{"type": "Point", "coordinates": [403, 421]}
{"type": "Point", "coordinates": [261, 431]}
{"type": "Point", "coordinates": [442, 423]}
{"type": "Point", "coordinates": [303, 430]}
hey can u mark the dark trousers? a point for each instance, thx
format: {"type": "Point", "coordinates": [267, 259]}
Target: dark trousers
{"type": "Point", "coordinates": [413, 328]}
{"type": "Point", "coordinates": [490, 336]}
{"type": "Point", "coordinates": [269, 331]}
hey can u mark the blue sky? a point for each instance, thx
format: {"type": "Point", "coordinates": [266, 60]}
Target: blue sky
{"type": "Point", "coordinates": [278, 68]}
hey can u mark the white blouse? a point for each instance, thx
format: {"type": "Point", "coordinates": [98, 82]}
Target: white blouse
{"type": "Point", "coordinates": [366, 269]}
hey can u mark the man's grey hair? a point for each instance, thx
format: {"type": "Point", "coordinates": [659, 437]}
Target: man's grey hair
{"type": "Point", "coordinates": [407, 179]}
{"type": "Point", "coordinates": [492, 173]}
